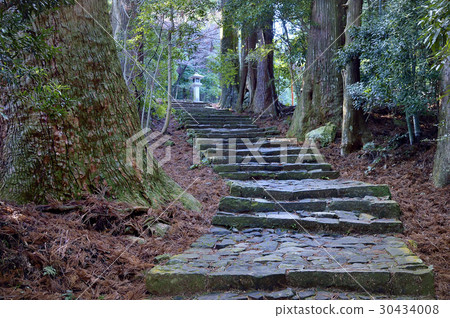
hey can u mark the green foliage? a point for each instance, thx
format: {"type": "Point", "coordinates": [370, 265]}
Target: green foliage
{"type": "Point", "coordinates": [20, 40]}
{"type": "Point", "coordinates": [50, 271]}
{"type": "Point", "coordinates": [395, 70]}
{"type": "Point", "coordinates": [68, 295]}
{"type": "Point", "coordinates": [225, 65]}
{"type": "Point", "coordinates": [149, 37]}
{"type": "Point", "coordinates": [436, 33]}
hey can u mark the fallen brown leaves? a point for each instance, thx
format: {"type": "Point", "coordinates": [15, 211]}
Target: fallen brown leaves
{"type": "Point", "coordinates": [91, 252]}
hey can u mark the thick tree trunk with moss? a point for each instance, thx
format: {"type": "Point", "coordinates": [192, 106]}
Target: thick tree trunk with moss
{"type": "Point", "coordinates": [441, 169]}
{"type": "Point", "coordinates": [322, 94]}
{"type": "Point", "coordinates": [354, 129]}
{"type": "Point", "coordinates": [84, 149]}
{"type": "Point", "coordinates": [228, 46]}
{"type": "Point", "coordinates": [266, 99]}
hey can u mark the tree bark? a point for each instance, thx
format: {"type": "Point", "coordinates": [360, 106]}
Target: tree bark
{"type": "Point", "coordinates": [229, 43]}
{"type": "Point", "coordinates": [83, 150]}
{"type": "Point", "coordinates": [243, 73]}
{"type": "Point", "coordinates": [169, 74]}
{"type": "Point", "coordinates": [354, 129]}
{"type": "Point", "coordinates": [266, 99]}
{"type": "Point", "coordinates": [322, 94]}
{"type": "Point", "coordinates": [441, 168]}
{"type": "Point", "coordinates": [252, 69]}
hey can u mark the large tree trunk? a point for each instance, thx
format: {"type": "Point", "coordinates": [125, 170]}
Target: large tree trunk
{"type": "Point", "coordinates": [354, 129]}
{"type": "Point", "coordinates": [322, 94]}
{"type": "Point", "coordinates": [252, 69]}
{"type": "Point", "coordinates": [441, 168]}
{"type": "Point", "coordinates": [229, 43]}
{"type": "Point", "coordinates": [63, 157]}
{"type": "Point", "coordinates": [266, 99]}
{"type": "Point", "coordinates": [169, 74]}
{"type": "Point", "coordinates": [243, 73]}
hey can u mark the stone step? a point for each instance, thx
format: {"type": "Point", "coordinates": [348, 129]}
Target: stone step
{"type": "Point", "coordinates": [269, 259]}
{"type": "Point", "coordinates": [307, 158]}
{"type": "Point", "coordinates": [271, 167]}
{"type": "Point", "coordinates": [380, 208]}
{"type": "Point", "coordinates": [280, 175]}
{"type": "Point", "coordinates": [242, 120]}
{"type": "Point", "coordinates": [272, 151]}
{"type": "Point", "coordinates": [218, 125]}
{"type": "Point", "coordinates": [319, 222]}
{"type": "Point", "coordinates": [306, 189]}
{"type": "Point", "coordinates": [207, 116]}
{"type": "Point", "coordinates": [235, 131]}
{"type": "Point", "coordinates": [241, 143]}
{"type": "Point", "coordinates": [224, 135]}
{"type": "Point", "coordinates": [296, 294]}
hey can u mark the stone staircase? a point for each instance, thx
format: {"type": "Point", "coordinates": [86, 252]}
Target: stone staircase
{"type": "Point", "coordinates": [290, 229]}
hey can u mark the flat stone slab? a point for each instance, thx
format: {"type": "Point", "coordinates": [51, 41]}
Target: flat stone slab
{"type": "Point", "coordinates": [280, 175]}
{"type": "Point", "coordinates": [254, 166]}
{"type": "Point", "coordinates": [378, 207]}
{"type": "Point", "coordinates": [319, 222]}
{"type": "Point", "coordinates": [232, 134]}
{"type": "Point", "coordinates": [308, 188]}
{"type": "Point", "coordinates": [233, 130]}
{"type": "Point", "coordinates": [239, 143]}
{"type": "Point", "coordinates": [218, 125]}
{"type": "Point", "coordinates": [272, 151]}
{"type": "Point", "coordinates": [307, 158]}
{"type": "Point", "coordinates": [299, 294]}
{"type": "Point", "coordinates": [269, 259]}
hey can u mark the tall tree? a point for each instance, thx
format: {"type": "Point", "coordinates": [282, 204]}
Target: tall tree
{"type": "Point", "coordinates": [354, 129]}
{"type": "Point", "coordinates": [169, 72]}
{"type": "Point", "coordinates": [322, 94]}
{"type": "Point", "coordinates": [437, 38]}
{"type": "Point", "coordinates": [441, 168]}
{"type": "Point", "coordinates": [247, 80]}
{"type": "Point", "coordinates": [64, 153]}
{"type": "Point", "coordinates": [229, 47]}
{"type": "Point", "coordinates": [266, 99]}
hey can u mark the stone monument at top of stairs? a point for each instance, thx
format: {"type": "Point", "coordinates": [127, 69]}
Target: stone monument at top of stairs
{"type": "Point", "coordinates": [196, 86]}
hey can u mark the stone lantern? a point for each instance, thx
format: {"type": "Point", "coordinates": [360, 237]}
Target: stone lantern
{"type": "Point", "coordinates": [196, 86]}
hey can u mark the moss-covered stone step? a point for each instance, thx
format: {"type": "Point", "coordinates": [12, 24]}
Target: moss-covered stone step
{"type": "Point", "coordinates": [218, 125]}
{"type": "Point", "coordinates": [205, 120]}
{"type": "Point", "coordinates": [272, 167]}
{"type": "Point", "coordinates": [303, 189]}
{"type": "Point", "coordinates": [301, 158]}
{"type": "Point", "coordinates": [270, 151]}
{"type": "Point", "coordinates": [198, 113]}
{"type": "Point", "coordinates": [240, 143]}
{"type": "Point", "coordinates": [319, 222]}
{"type": "Point", "coordinates": [269, 259]}
{"type": "Point", "coordinates": [296, 294]}
{"type": "Point", "coordinates": [378, 207]}
{"type": "Point", "coordinates": [280, 175]}
{"type": "Point", "coordinates": [231, 134]}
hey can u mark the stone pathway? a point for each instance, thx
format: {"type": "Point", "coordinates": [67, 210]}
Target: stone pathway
{"type": "Point", "coordinates": [290, 229]}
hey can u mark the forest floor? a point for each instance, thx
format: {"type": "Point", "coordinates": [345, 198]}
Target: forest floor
{"type": "Point", "coordinates": [87, 254]}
